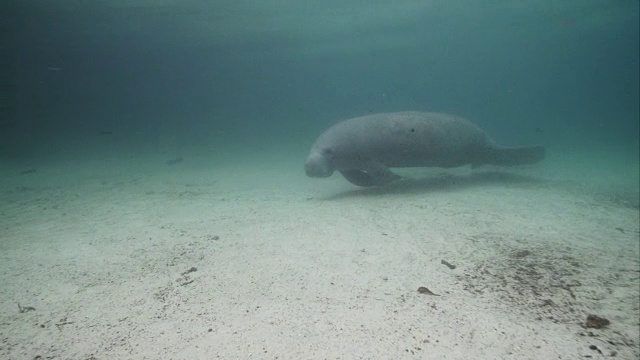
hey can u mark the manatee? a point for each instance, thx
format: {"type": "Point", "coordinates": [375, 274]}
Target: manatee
{"type": "Point", "coordinates": [363, 149]}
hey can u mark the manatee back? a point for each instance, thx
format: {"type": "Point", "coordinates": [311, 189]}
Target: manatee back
{"type": "Point", "coordinates": [408, 139]}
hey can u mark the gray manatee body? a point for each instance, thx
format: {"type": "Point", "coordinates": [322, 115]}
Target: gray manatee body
{"type": "Point", "coordinates": [363, 149]}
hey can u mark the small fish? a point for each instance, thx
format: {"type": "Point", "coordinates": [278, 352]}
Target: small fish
{"type": "Point", "coordinates": [175, 161]}
{"type": "Point", "coordinates": [424, 290]}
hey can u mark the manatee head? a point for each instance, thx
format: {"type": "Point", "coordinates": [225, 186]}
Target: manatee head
{"type": "Point", "coordinates": [320, 162]}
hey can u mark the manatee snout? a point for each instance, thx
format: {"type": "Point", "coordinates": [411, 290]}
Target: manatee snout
{"type": "Point", "coordinates": [317, 166]}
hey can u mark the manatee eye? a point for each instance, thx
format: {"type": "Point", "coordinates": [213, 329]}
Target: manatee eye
{"type": "Point", "coordinates": [328, 153]}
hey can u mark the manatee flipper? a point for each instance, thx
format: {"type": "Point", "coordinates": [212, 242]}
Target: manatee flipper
{"type": "Point", "coordinates": [510, 156]}
{"type": "Point", "coordinates": [357, 177]}
{"type": "Point", "coordinates": [373, 175]}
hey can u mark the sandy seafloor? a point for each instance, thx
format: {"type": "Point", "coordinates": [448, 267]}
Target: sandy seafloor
{"type": "Point", "coordinates": [123, 256]}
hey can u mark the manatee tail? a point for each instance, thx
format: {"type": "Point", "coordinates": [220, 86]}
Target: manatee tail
{"type": "Point", "coordinates": [510, 156]}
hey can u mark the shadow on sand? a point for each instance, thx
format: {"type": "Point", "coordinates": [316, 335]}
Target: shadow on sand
{"type": "Point", "coordinates": [448, 182]}
{"type": "Point", "coordinates": [444, 183]}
